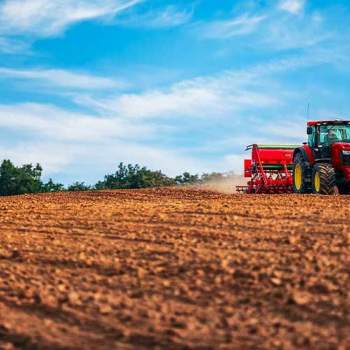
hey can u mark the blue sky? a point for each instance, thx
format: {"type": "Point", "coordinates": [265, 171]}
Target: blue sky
{"type": "Point", "coordinates": [173, 85]}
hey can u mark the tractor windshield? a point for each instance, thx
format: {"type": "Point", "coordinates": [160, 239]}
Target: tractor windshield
{"type": "Point", "coordinates": [334, 133]}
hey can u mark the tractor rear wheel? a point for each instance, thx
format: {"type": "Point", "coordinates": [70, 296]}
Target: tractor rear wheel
{"type": "Point", "coordinates": [323, 179]}
{"type": "Point", "coordinates": [300, 178]}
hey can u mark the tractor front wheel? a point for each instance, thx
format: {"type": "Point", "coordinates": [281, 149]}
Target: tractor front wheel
{"type": "Point", "coordinates": [323, 179]}
{"type": "Point", "coordinates": [300, 182]}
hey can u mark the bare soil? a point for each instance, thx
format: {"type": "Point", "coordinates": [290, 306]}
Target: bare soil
{"type": "Point", "coordinates": [174, 269]}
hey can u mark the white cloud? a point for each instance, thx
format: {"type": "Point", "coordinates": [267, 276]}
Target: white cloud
{"type": "Point", "coordinates": [83, 149]}
{"type": "Point", "coordinates": [47, 154]}
{"type": "Point", "coordinates": [51, 122]}
{"type": "Point", "coordinates": [44, 18]}
{"type": "Point", "coordinates": [125, 126]}
{"type": "Point", "coordinates": [169, 16]}
{"type": "Point", "coordinates": [91, 161]}
{"type": "Point", "coordinates": [61, 78]}
{"type": "Point", "coordinates": [270, 28]}
{"type": "Point", "coordinates": [171, 161]}
{"type": "Point", "coordinates": [198, 98]}
{"type": "Point", "coordinates": [292, 6]}
{"type": "Point", "coordinates": [283, 34]}
{"type": "Point", "coordinates": [226, 94]}
{"type": "Point", "coordinates": [65, 141]}
{"type": "Point", "coordinates": [224, 29]}
{"type": "Point", "coordinates": [101, 142]}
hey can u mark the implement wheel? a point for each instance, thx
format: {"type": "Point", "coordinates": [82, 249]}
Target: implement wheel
{"type": "Point", "coordinates": [300, 183]}
{"type": "Point", "coordinates": [323, 179]}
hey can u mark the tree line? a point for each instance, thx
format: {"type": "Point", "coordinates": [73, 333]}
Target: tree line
{"type": "Point", "coordinates": [16, 180]}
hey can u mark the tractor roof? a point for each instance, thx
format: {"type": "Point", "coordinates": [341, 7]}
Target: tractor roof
{"type": "Point", "coordinates": [328, 122]}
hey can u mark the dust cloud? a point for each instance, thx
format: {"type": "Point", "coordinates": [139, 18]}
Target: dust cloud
{"type": "Point", "coordinates": [225, 185]}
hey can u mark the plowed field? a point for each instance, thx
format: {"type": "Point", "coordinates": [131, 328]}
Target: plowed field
{"type": "Point", "coordinates": [174, 269]}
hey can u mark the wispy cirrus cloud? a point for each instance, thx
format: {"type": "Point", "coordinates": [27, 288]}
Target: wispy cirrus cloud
{"type": "Point", "coordinates": [237, 26]}
{"type": "Point", "coordinates": [286, 33]}
{"type": "Point", "coordinates": [228, 93]}
{"type": "Point", "coordinates": [61, 78]}
{"type": "Point", "coordinates": [42, 18]}
{"type": "Point", "coordinates": [276, 28]}
{"type": "Point", "coordinates": [189, 99]}
{"type": "Point", "coordinates": [166, 17]}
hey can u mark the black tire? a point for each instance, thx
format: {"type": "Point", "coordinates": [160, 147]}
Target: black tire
{"type": "Point", "coordinates": [327, 179]}
{"type": "Point", "coordinates": [304, 186]}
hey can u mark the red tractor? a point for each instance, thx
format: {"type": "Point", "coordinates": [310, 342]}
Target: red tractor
{"type": "Point", "coordinates": [322, 165]}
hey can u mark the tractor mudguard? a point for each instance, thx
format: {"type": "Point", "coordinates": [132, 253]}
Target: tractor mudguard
{"type": "Point", "coordinates": [306, 152]}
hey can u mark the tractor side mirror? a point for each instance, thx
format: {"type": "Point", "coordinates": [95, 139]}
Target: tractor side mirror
{"type": "Point", "coordinates": [309, 130]}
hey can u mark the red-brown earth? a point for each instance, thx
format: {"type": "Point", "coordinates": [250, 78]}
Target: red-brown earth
{"type": "Point", "coordinates": [174, 269]}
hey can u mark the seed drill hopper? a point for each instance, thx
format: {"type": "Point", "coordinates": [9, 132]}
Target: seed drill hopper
{"type": "Point", "coordinates": [270, 169]}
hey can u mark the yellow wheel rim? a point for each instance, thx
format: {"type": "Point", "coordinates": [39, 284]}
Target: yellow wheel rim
{"type": "Point", "coordinates": [317, 181]}
{"type": "Point", "coordinates": [298, 176]}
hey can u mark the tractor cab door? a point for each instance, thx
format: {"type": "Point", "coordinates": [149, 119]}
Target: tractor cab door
{"type": "Point", "coordinates": [324, 142]}
{"type": "Point", "coordinates": [313, 137]}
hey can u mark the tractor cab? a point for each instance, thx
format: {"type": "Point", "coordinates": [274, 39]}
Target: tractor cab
{"type": "Point", "coordinates": [323, 134]}
{"type": "Point", "coordinates": [322, 165]}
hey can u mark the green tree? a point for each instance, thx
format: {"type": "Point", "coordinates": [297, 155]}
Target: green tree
{"type": "Point", "coordinates": [19, 180]}
{"type": "Point", "coordinates": [134, 176]}
{"type": "Point", "coordinates": [186, 179]}
{"type": "Point", "coordinates": [79, 186]}
{"type": "Point", "coordinates": [51, 186]}
{"type": "Point", "coordinates": [24, 179]}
